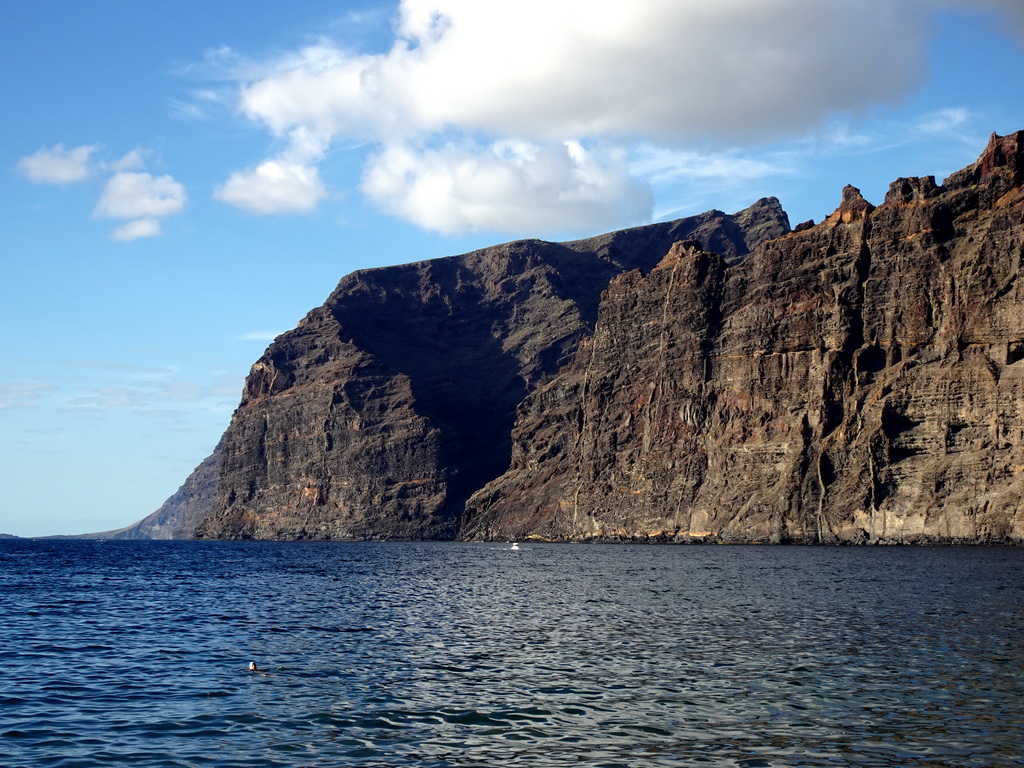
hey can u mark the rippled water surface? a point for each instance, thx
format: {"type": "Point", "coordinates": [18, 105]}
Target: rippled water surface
{"type": "Point", "coordinates": [135, 653]}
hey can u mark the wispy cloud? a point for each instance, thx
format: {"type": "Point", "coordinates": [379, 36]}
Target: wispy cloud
{"type": "Point", "coordinates": [97, 386]}
{"type": "Point", "coordinates": [164, 396]}
{"type": "Point", "coordinates": [110, 398]}
{"type": "Point", "coordinates": [260, 336]}
{"type": "Point", "coordinates": [201, 104]}
{"type": "Point", "coordinates": [22, 394]}
{"type": "Point", "coordinates": [950, 121]}
{"type": "Point", "coordinates": [662, 164]}
{"type": "Point", "coordinates": [133, 369]}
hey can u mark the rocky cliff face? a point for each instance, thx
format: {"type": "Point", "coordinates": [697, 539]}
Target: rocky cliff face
{"type": "Point", "coordinates": [860, 380]}
{"type": "Point", "coordinates": [380, 414]}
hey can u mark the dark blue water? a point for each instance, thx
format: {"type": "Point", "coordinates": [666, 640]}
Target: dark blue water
{"type": "Point", "coordinates": [122, 653]}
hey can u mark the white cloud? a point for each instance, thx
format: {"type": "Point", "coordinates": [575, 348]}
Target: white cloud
{"type": "Point", "coordinates": [109, 397]}
{"type": "Point", "coordinates": [155, 398]}
{"type": "Point", "coordinates": [510, 185]}
{"type": "Point", "coordinates": [260, 336]}
{"type": "Point", "coordinates": [465, 80]}
{"type": "Point", "coordinates": [463, 76]}
{"type": "Point", "coordinates": [127, 194]}
{"type": "Point", "coordinates": [661, 164]}
{"type": "Point", "coordinates": [202, 103]}
{"type": "Point", "coordinates": [130, 195]}
{"type": "Point", "coordinates": [943, 120]}
{"type": "Point", "coordinates": [738, 70]}
{"type": "Point", "coordinates": [57, 165]}
{"type": "Point", "coordinates": [141, 197]}
{"type": "Point", "coordinates": [275, 186]}
{"type": "Point", "coordinates": [134, 230]}
{"type": "Point", "coordinates": [22, 394]}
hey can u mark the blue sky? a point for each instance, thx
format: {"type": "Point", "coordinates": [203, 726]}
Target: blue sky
{"type": "Point", "coordinates": [182, 181]}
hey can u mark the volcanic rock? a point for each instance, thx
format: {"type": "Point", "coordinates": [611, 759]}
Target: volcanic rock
{"type": "Point", "coordinates": [380, 414]}
{"type": "Point", "coordinates": [858, 381]}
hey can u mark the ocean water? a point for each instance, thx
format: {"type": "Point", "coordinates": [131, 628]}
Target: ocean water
{"type": "Point", "coordinates": [439, 654]}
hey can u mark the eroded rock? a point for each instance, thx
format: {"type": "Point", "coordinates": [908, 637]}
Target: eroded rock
{"type": "Point", "coordinates": [380, 414]}
{"type": "Point", "coordinates": [860, 381]}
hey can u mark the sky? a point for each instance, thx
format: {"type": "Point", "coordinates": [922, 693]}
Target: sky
{"type": "Point", "coordinates": [183, 181]}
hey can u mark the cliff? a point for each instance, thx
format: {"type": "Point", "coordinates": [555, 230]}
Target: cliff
{"type": "Point", "coordinates": [380, 414]}
{"type": "Point", "coordinates": [717, 378]}
{"type": "Point", "coordinates": [856, 381]}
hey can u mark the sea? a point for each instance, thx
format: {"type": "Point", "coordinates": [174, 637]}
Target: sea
{"type": "Point", "coordinates": [456, 654]}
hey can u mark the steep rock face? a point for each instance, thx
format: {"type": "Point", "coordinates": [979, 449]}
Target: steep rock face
{"type": "Point", "coordinates": [857, 381]}
{"type": "Point", "coordinates": [385, 408]}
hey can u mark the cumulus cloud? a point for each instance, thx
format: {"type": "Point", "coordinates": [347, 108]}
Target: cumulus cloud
{"type": "Point", "coordinates": [57, 165]}
{"type": "Point", "coordinates": [275, 186]}
{"type": "Point", "coordinates": [142, 197]}
{"type": "Point", "coordinates": [462, 78]}
{"type": "Point", "coordinates": [127, 194]}
{"type": "Point", "coordinates": [482, 110]}
{"type": "Point", "coordinates": [730, 69]}
{"type": "Point", "coordinates": [131, 195]}
{"type": "Point", "coordinates": [509, 185]}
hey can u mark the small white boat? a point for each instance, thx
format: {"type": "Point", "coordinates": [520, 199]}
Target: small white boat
{"type": "Point", "coordinates": [515, 545]}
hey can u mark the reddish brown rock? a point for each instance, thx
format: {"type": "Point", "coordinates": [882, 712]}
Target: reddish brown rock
{"type": "Point", "coordinates": [389, 405]}
{"type": "Point", "coordinates": [1002, 160]}
{"type": "Point", "coordinates": [860, 381]}
{"type": "Point", "coordinates": [852, 208]}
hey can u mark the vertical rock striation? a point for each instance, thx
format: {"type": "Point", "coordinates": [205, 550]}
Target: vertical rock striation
{"type": "Point", "coordinates": [857, 381]}
{"type": "Point", "coordinates": [380, 414]}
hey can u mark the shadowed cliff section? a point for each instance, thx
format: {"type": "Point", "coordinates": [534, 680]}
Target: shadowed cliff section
{"type": "Point", "coordinates": [380, 414]}
{"type": "Point", "coordinates": [857, 381]}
